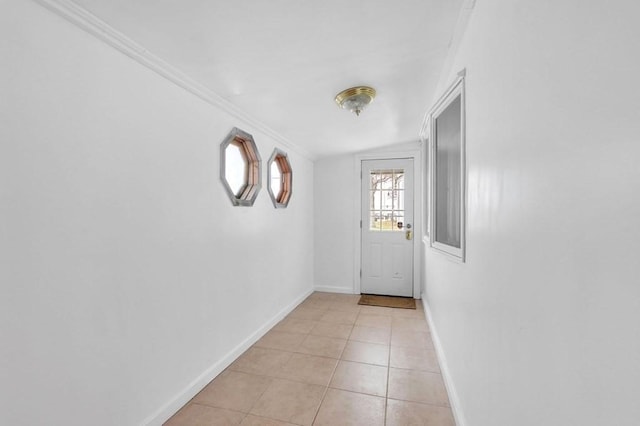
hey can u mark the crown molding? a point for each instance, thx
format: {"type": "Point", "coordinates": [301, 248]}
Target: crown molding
{"type": "Point", "coordinates": [90, 23]}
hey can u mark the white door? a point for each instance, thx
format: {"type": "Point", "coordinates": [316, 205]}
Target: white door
{"type": "Point", "coordinates": [387, 227]}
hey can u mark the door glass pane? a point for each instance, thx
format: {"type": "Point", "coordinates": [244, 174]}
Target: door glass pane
{"type": "Point", "coordinates": [398, 204]}
{"type": "Point", "coordinates": [387, 217]}
{"type": "Point", "coordinates": [448, 171]}
{"type": "Point", "coordinates": [387, 200]}
{"type": "Point", "coordinates": [374, 221]}
{"type": "Point", "coordinates": [374, 181]}
{"type": "Point", "coordinates": [375, 200]}
{"type": "Point", "coordinates": [386, 180]}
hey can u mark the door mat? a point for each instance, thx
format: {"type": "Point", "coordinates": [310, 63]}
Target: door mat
{"type": "Point", "coordinates": [388, 301]}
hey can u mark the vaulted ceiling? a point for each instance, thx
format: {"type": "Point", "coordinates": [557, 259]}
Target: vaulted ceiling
{"type": "Point", "coordinates": [283, 61]}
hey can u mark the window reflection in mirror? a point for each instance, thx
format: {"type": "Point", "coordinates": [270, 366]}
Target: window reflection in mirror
{"type": "Point", "coordinates": [276, 179]}
{"type": "Point", "coordinates": [236, 167]}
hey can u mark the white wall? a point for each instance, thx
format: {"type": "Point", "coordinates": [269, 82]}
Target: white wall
{"type": "Point", "coordinates": [540, 325]}
{"type": "Point", "coordinates": [126, 273]}
{"type": "Point", "coordinates": [333, 226]}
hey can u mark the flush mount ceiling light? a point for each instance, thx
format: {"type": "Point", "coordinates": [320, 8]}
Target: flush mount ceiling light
{"type": "Point", "coordinates": [356, 98]}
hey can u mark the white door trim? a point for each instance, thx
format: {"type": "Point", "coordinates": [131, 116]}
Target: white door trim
{"type": "Point", "coordinates": [416, 154]}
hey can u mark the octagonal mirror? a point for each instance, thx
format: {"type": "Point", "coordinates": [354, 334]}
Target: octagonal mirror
{"type": "Point", "coordinates": [279, 179]}
{"type": "Point", "coordinates": [240, 167]}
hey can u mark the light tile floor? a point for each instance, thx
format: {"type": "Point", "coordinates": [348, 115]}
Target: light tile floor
{"type": "Point", "coordinates": [330, 362]}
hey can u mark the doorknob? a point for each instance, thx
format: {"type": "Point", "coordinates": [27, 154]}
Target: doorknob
{"type": "Point", "coordinates": [409, 232]}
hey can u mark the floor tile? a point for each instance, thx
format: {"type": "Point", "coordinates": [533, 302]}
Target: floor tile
{"type": "Point", "coordinates": [257, 360]}
{"type": "Point", "coordinates": [295, 325]}
{"type": "Point", "coordinates": [377, 310]}
{"type": "Point", "coordinates": [415, 339]}
{"type": "Point", "coordinates": [339, 331]}
{"type": "Point", "coordinates": [289, 401]}
{"type": "Point", "coordinates": [307, 313]}
{"type": "Point", "coordinates": [348, 408]}
{"type": "Point", "coordinates": [344, 307]}
{"type": "Point", "coordinates": [350, 298]}
{"type": "Point", "coordinates": [414, 359]}
{"type": "Point", "coordinates": [316, 304]}
{"type": "Point", "coordinates": [308, 369]}
{"type": "Point", "coordinates": [417, 313]}
{"type": "Point", "coordinates": [370, 335]}
{"type": "Point", "coordinates": [369, 353]}
{"type": "Point", "coordinates": [252, 420]}
{"type": "Point", "coordinates": [404, 413]}
{"type": "Point", "coordinates": [322, 346]}
{"type": "Point", "coordinates": [376, 321]}
{"type": "Point", "coordinates": [233, 390]}
{"type": "Point", "coordinates": [281, 340]}
{"type": "Point", "coordinates": [323, 296]}
{"type": "Point", "coordinates": [362, 378]}
{"type": "Point", "coordinates": [417, 386]}
{"type": "Point", "coordinates": [339, 317]}
{"type": "Point", "coordinates": [202, 415]}
{"type": "Point", "coordinates": [414, 324]}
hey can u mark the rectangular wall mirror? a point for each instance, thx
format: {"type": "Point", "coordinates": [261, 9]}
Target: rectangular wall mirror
{"type": "Point", "coordinates": [447, 172]}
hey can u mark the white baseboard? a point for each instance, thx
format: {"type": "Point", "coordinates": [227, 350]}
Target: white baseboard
{"type": "Point", "coordinates": [332, 289]}
{"type": "Point", "coordinates": [456, 406]}
{"type": "Point", "coordinates": [184, 396]}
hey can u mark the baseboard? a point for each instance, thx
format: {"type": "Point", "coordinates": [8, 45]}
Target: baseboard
{"type": "Point", "coordinates": [456, 406]}
{"type": "Point", "coordinates": [184, 396]}
{"type": "Point", "coordinates": [332, 289]}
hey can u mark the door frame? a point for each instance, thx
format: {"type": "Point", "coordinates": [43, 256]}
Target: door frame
{"type": "Point", "coordinates": [414, 152]}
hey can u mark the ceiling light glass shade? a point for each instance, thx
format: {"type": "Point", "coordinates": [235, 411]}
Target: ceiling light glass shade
{"type": "Point", "coordinates": [355, 99]}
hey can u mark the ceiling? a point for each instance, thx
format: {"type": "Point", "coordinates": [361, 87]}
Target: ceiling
{"type": "Point", "coordinates": [283, 61]}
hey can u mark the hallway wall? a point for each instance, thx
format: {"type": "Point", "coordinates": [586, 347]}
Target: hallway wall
{"type": "Point", "coordinates": [540, 325]}
{"type": "Point", "coordinates": [127, 277]}
{"type": "Point", "coordinates": [333, 227]}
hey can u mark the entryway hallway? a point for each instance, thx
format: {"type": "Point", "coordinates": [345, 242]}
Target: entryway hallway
{"type": "Point", "coordinates": [330, 362]}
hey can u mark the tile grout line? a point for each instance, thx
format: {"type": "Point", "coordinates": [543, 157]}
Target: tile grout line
{"type": "Point", "coordinates": [258, 399]}
{"type": "Point", "coordinates": [326, 390]}
{"type": "Point", "coordinates": [430, 404]}
{"type": "Point", "coordinates": [386, 394]}
{"type": "Point", "coordinates": [386, 400]}
{"type": "Point", "coordinates": [276, 377]}
{"type": "Point", "coordinates": [326, 387]}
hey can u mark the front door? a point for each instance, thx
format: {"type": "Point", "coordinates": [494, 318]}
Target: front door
{"type": "Point", "coordinates": [387, 227]}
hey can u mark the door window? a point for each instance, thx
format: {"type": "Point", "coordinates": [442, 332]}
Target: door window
{"type": "Point", "coordinates": [386, 200]}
